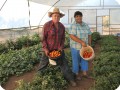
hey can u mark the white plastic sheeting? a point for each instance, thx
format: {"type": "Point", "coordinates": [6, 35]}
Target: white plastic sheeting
{"type": "Point", "coordinates": [94, 13]}
{"type": "Point", "coordinates": [114, 16]}
{"type": "Point", "coordinates": [79, 2]}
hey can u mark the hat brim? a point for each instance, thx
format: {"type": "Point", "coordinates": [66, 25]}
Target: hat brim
{"type": "Point", "coordinates": [50, 14]}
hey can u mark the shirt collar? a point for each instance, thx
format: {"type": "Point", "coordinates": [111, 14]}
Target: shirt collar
{"type": "Point", "coordinates": [52, 24]}
{"type": "Point", "coordinates": [78, 23]}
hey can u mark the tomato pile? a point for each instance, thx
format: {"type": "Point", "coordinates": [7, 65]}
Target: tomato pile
{"type": "Point", "coordinates": [54, 54]}
{"type": "Point", "coordinates": [87, 54]}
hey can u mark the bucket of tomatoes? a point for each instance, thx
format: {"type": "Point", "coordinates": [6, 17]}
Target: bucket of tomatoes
{"type": "Point", "coordinates": [54, 56]}
{"type": "Point", "coordinates": [87, 53]}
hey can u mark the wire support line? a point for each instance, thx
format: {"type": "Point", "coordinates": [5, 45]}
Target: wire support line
{"type": "Point", "coordinates": [3, 5]}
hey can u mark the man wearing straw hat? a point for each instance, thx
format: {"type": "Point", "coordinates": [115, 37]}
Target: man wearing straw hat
{"type": "Point", "coordinates": [53, 39]}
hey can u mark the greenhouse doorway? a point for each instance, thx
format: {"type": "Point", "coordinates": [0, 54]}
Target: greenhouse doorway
{"type": "Point", "coordinates": [103, 25]}
{"type": "Point", "coordinates": [106, 25]}
{"type": "Point", "coordinates": [99, 24]}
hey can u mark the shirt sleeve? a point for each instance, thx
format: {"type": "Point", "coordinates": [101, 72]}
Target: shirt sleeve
{"type": "Point", "coordinates": [44, 41]}
{"type": "Point", "coordinates": [89, 32]}
{"type": "Point", "coordinates": [72, 29]}
{"type": "Point", "coordinates": [63, 40]}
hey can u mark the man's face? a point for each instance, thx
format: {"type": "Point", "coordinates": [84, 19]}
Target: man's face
{"type": "Point", "coordinates": [56, 17]}
{"type": "Point", "coordinates": [78, 19]}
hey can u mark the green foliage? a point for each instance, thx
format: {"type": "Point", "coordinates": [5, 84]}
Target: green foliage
{"type": "Point", "coordinates": [67, 40]}
{"type": "Point", "coordinates": [107, 68]}
{"type": "Point", "coordinates": [95, 37]}
{"type": "Point", "coordinates": [49, 79]}
{"type": "Point", "coordinates": [68, 56]}
{"type": "Point", "coordinates": [24, 41]}
{"type": "Point", "coordinates": [36, 39]}
{"type": "Point", "coordinates": [10, 45]}
{"type": "Point", "coordinates": [3, 48]}
{"type": "Point", "coordinates": [18, 61]}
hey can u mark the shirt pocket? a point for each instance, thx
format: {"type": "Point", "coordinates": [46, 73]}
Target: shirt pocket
{"type": "Point", "coordinates": [51, 33]}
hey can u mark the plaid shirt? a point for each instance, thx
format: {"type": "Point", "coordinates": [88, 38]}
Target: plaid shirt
{"type": "Point", "coordinates": [81, 31]}
{"type": "Point", "coordinates": [53, 38]}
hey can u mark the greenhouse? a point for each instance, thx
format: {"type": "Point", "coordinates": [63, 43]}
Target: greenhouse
{"type": "Point", "coordinates": [22, 23]}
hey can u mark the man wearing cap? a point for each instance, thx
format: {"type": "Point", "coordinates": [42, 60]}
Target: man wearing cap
{"type": "Point", "coordinates": [80, 35]}
{"type": "Point", "coordinates": [53, 39]}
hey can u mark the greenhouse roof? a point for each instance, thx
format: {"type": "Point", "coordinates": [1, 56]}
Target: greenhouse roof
{"type": "Point", "coordinates": [17, 13]}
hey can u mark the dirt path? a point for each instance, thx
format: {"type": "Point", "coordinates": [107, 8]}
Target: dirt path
{"type": "Point", "coordinates": [27, 77]}
{"type": "Point", "coordinates": [84, 84]}
{"type": "Point", "coordinates": [11, 84]}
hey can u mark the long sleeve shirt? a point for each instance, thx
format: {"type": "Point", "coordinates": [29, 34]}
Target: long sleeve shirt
{"type": "Point", "coordinates": [53, 38]}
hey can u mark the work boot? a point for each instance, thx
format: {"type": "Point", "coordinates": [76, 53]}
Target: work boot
{"type": "Point", "coordinates": [78, 78]}
{"type": "Point", "coordinates": [73, 83]}
{"type": "Point", "coordinates": [88, 77]}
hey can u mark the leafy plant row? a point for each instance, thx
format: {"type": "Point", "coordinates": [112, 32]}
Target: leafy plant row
{"type": "Point", "coordinates": [19, 43]}
{"type": "Point", "coordinates": [18, 61]}
{"type": "Point", "coordinates": [107, 68]}
{"type": "Point", "coordinates": [50, 78]}
{"type": "Point", "coordinates": [24, 41]}
{"type": "Point", "coordinates": [95, 37]}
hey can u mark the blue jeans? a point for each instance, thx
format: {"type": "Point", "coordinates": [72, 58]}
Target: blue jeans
{"type": "Point", "coordinates": [78, 62]}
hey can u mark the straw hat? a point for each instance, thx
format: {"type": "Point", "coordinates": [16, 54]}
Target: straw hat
{"type": "Point", "coordinates": [55, 10]}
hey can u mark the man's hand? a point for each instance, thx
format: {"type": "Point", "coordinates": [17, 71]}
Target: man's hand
{"type": "Point", "coordinates": [60, 49]}
{"type": "Point", "coordinates": [76, 39]}
{"type": "Point", "coordinates": [84, 44]}
{"type": "Point", "coordinates": [46, 52]}
{"type": "Point", "coordinates": [89, 44]}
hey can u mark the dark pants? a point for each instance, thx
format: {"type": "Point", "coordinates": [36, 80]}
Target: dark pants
{"type": "Point", "coordinates": [62, 63]}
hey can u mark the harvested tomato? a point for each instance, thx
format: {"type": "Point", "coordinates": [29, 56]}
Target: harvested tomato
{"type": "Point", "coordinates": [54, 54]}
{"type": "Point", "coordinates": [87, 54]}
